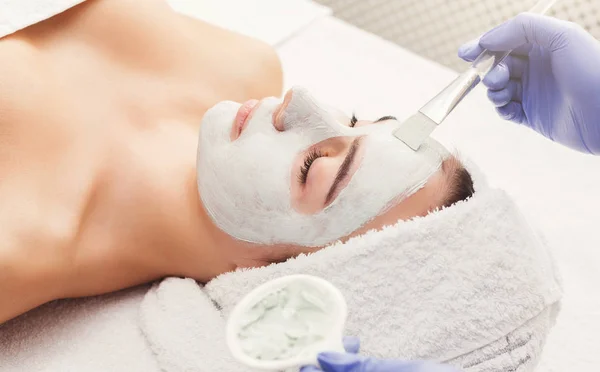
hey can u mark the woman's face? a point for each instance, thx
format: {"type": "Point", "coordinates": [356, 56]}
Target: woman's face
{"type": "Point", "coordinates": [300, 173]}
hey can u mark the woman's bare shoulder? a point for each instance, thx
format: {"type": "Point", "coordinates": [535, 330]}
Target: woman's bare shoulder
{"type": "Point", "coordinates": [19, 78]}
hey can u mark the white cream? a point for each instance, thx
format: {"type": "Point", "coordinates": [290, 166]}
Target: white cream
{"type": "Point", "coordinates": [245, 184]}
{"type": "Point", "coordinates": [281, 325]}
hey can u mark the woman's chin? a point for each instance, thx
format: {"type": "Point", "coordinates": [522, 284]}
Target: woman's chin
{"type": "Point", "coordinates": [217, 122]}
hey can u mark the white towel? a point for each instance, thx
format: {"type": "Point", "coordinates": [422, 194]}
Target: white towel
{"type": "Point", "coordinates": [18, 14]}
{"type": "Point", "coordinates": [472, 285]}
{"type": "Point", "coordinates": [94, 334]}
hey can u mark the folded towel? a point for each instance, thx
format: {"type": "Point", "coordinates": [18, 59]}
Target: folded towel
{"type": "Point", "coordinates": [185, 329]}
{"type": "Point", "coordinates": [472, 285]}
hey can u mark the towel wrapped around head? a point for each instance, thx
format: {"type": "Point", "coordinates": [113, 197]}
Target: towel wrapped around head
{"type": "Point", "coordinates": [472, 285]}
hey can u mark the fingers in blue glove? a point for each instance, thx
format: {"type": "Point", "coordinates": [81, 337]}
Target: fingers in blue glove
{"type": "Point", "coordinates": [559, 60]}
{"type": "Point", "coordinates": [498, 78]}
{"type": "Point", "coordinates": [470, 50]}
{"type": "Point", "coordinates": [524, 29]}
{"type": "Point", "coordinates": [339, 362]}
{"type": "Point", "coordinates": [351, 344]}
{"type": "Point", "coordinates": [512, 92]}
{"type": "Point", "coordinates": [510, 68]}
{"type": "Point", "coordinates": [310, 369]}
{"type": "Point", "coordinates": [512, 111]}
{"type": "Point", "coordinates": [513, 67]}
{"type": "Point", "coordinates": [504, 80]}
{"type": "Point", "coordinates": [336, 362]}
{"type": "Point", "coordinates": [516, 65]}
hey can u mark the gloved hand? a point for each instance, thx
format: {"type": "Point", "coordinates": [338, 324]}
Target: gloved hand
{"type": "Point", "coordinates": [351, 362]}
{"type": "Point", "coordinates": [550, 82]}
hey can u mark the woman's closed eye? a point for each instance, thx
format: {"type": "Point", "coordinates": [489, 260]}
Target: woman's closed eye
{"type": "Point", "coordinates": [315, 154]}
{"type": "Point", "coordinates": [312, 155]}
{"type": "Point", "coordinates": [323, 171]}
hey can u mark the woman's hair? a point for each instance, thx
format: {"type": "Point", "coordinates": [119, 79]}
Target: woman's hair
{"type": "Point", "coordinates": [460, 184]}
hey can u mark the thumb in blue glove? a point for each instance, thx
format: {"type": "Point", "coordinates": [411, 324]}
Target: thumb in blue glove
{"type": "Point", "coordinates": [351, 362]}
{"type": "Point", "coordinates": [550, 82]}
{"type": "Point", "coordinates": [351, 345]}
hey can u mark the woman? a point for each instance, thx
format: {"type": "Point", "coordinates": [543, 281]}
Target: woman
{"type": "Point", "coordinates": [100, 110]}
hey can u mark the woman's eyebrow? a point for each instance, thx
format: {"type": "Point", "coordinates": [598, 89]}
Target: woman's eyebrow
{"type": "Point", "coordinates": [342, 172]}
{"type": "Point", "coordinates": [383, 118]}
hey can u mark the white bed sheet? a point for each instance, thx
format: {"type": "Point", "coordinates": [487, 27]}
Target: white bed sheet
{"type": "Point", "coordinates": [271, 21]}
{"type": "Point", "coordinates": [557, 188]}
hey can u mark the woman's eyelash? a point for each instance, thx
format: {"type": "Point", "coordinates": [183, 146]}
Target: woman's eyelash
{"type": "Point", "coordinates": [310, 158]}
{"type": "Point", "coordinates": [353, 120]}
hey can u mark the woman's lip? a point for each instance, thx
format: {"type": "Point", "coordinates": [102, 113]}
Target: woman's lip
{"type": "Point", "coordinates": [242, 117]}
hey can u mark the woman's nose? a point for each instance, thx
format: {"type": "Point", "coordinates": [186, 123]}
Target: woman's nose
{"type": "Point", "coordinates": [278, 113]}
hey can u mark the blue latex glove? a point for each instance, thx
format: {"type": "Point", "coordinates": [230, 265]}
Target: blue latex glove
{"type": "Point", "coordinates": [551, 81]}
{"type": "Point", "coordinates": [351, 362]}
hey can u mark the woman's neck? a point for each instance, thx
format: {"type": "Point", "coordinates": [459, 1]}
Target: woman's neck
{"type": "Point", "coordinates": [171, 218]}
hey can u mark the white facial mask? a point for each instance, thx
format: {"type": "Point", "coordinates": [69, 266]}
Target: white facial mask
{"type": "Point", "coordinates": [245, 184]}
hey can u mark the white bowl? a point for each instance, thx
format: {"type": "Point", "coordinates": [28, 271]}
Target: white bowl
{"type": "Point", "coordinates": [334, 318]}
